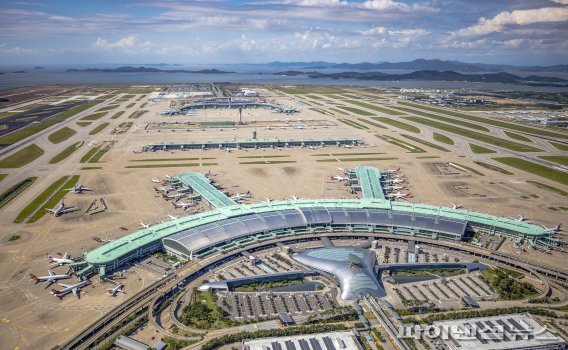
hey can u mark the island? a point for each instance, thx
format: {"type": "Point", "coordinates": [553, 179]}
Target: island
{"type": "Point", "coordinates": [130, 69]}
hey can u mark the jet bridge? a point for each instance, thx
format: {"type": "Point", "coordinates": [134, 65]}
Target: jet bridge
{"type": "Point", "coordinates": [200, 184]}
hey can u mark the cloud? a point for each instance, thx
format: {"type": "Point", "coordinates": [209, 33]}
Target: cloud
{"type": "Point", "coordinates": [15, 50]}
{"type": "Point", "coordinates": [515, 18]}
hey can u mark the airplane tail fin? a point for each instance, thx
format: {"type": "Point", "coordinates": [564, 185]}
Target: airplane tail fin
{"type": "Point", "coordinates": [56, 293]}
{"type": "Point", "coordinates": [34, 277]}
{"type": "Point", "coordinates": [49, 257]}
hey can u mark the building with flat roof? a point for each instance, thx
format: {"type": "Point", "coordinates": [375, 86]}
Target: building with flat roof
{"type": "Point", "coordinates": [503, 332]}
{"type": "Point", "coordinates": [321, 341]}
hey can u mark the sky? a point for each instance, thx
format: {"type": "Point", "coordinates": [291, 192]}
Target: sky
{"type": "Point", "coordinates": [517, 32]}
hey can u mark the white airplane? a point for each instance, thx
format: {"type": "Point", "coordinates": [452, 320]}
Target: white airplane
{"type": "Point", "coordinates": [144, 225]}
{"type": "Point", "coordinates": [78, 189]}
{"type": "Point", "coordinates": [164, 189]}
{"type": "Point", "coordinates": [70, 288]}
{"type": "Point", "coordinates": [339, 178]}
{"type": "Point", "coordinates": [66, 259]}
{"type": "Point", "coordinates": [239, 197]}
{"type": "Point", "coordinates": [456, 206]}
{"type": "Point", "coordinates": [342, 170]}
{"type": "Point", "coordinates": [157, 181]}
{"type": "Point", "coordinates": [182, 205]}
{"type": "Point", "coordinates": [61, 209]}
{"type": "Point", "coordinates": [397, 195]}
{"type": "Point", "coordinates": [521, 218]}
{"type": "Point", "coordinates": [295, 198]}
{"type": "Point", "coordinates": [176, 197]}
{"type": "Point", "coordinates": [118, 289]}
{"type": "Point", "coordinates": [168, 177]}
{"type": "Point", "coordinates": [395, 188]}
{"type": "Point", "coordinates": [390, 171]}
{"type": "Point", "coordinates": [48, 280]}
{"type": "Point", "coordinates": [557, 228]}
{"type": "Point", "coordinates": [394, 181]}
{"type": "Point", "coordinates": [172, 217]}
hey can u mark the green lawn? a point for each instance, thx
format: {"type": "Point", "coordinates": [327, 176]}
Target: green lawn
{"type": "Point", "coordinates": [37, 201]}
{"type": "Point", "coordinates": [179, 165]}
{"type": "Point", "coordinates": [426, 143]}
{"type": "Point", "coordinates": [397, 124]}
{"type": "Point", "coordinates": [495, 122]}
{"type": "Point", "coordinates": [445, 119]}
{"type": "Point", "coordinates": [563, 160]}
{"type": "Point", "coordinates": [83, 124]}
{"type": "Point", "coordinates": [356, 159]}
{"type": "Point", "coordinates": [94, 154]}
{"type": "Point", "coordinates": [403, 144]}
{"type": "Point", "coordinates": [307, 89]}
{"type": "Point", "coordinates": [518, 137]}
{"type": "Point", "coordinates": [3, 176]}
{"type": "Point", "coordinates": [513, 146]}
{"type": "Point", "coordinates": [130, 105]}
{"type": "Point", "coordinates": [15, 190]}
{"type": "Point", "coordinates": [107, 108]}
{"type": "Point", "coordinates": [117, 115]}
{"type": "Point", "coordinates": [493, 167]}
{"type": "Point", "coordinates": [55, 199]}
{"type": "Point", "coordinates": [65, 153]}
{"type": "Point", "coordinates": [470, 169]}
{"type": "Point", "coordinates": [337, 111]}
{"type": "Point", "coordinates": [534, 168]}
{"type": "Point", "coordinates": [93, 116]}
{"type": "Point", "coordinates": [353, 124]}
{"type": "Point", "coordinates": [548, 187]}
{"type": "Point", "coordinates": [356, 111]}
{"type": "Point", "coordinates": [136, 114]}
{"type": "Point", "coordinates": [377, 125]}
{"type": "Point", "coordinates": [98, 129]}
{"type": "Point", "coordinates": [375, 108]}
{"type": "Point", "coordinates": [443, 138]}
{"type": "Point", "coordinates": [477, 149]}
{"type": "Point", "coordinates": [61, 135]}
{"type": "Point", "coordinates": [559, 146]}
{"type": "Point", "coordinates": [22, 157]}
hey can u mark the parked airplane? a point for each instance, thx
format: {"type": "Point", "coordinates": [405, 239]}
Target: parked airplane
{"type": "Point", "coordinates": [48, 280]}
{"type": "Point", "coordinates": [456, 206]}
{"type": "Point", "coordinates": [176, 197]}
{"type": "Point", "coordinates": [390, 171]}
{"type": "Point", "coordinates": [66, 259]}
{"type": "Point", "coordinates": [70, 288]}
{"type": "Point", "coordinates": [164, 189]}
{"type": "Point", "coordinates": [394, 188]}
{"type": "Point", "coordinates": [172, 217]}
{"type": "Point", "coordinates": [61, 209]}
{"type": "Point", "coordinates": [521, 218]}
{"type": "Point", "coordinates": [397, 195]}
{"type": "Point", "coordinates": [239, 197]}
{"type": "Point", "coordinates": [342, 170]}
{"type": "Point", "coordinates": [144, 225]}
{"type": "Point", "coordinates": [118, 289]}
{"type": "Point", "coordinates": [182, 205]}
{"type": "Point", "coordinates": [168, 177]}
{"type": "Point", "coordinates": [394, 181]}
{"type": "Point", "coordinates": [78, 189]}
{"type": "Point", "coordinates": [557, 228]}
{"type": "Point", "coordinates": [157, 181]}
{"type": "Point", "coordinates": [339, 178]}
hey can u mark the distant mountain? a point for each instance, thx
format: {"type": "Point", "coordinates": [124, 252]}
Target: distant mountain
{"type": "Point", "coordinates": [423, 64]}
{"type": "Point", "coordinates": [38, 67]}
{"type": "Point", "coordinates": [433, 75]}
{"type": "Point", "coordinates": [130, 69]}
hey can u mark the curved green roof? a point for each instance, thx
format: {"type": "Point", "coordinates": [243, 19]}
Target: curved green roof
{"type": "Point", "coordinates": [124, 246]}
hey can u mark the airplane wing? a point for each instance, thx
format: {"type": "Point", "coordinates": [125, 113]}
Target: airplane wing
{"type": "Point", "coordinates": [68, 210]}
{"type": "Point", "coordinates": [49, 282]}
{"type": "Point", "coordinates": [50, 273]}
{"type": "Point", "coordinates": [50, 210]}
{"type": "Point", "coordinates": [76, 292]}
{"type": "Point", "coordinates": [64, 285]}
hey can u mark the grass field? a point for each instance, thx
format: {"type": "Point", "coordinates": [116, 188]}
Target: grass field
{"type": "Point", "coordinates": [353, 124]}
{"type": "Point", "coordinates": [516, 136]}
{"type": "Point", "coordinates": [269, 156]}
{"type": "Point", "coordinates": [117, 115]}
{"type": "Point", "coordinates": [549, 188]}
{"type": "Point", "coordinates": [55, 199]}
{"type": "Point", "coordinates": [376, 125]}
{"type": "Point", "coordinates": [319, 110]}
{"type": "Point", "coordinates": [375, 108]}
{"type": "Point", "coordinates": [11, 193]}
{"type": "Point", "coordinates": [162, 165]}
{"type": "Point", "coordinates": [136, 114]}
{"type": "Point", "coordinates": [513, 146]}
{"type": "Point", "coordinates": [83, 124]}
{"type": "Point", "coordinates": [397, 124]}
{"type": "Point", "coordinates": [130, 105]}
{"type": "Point", "coordinates": [3, 176]}
{"type": "Point", "coordinates": [61, 135]}
{"type": "Point", "coordinates": [534, 168]}
{"type": "Point", "coordinates": [356, 159]}
{"type": "Point", "coordinates": [442, 138]}
{"type": "Point", "coordinates": [66, 153]}
{"type": "Point", "coordinates": [356, 111]}
{"type": "Point", "coordinates": [493, 167]}
{"type": "Point", "coordinates": [305, 89]}
{"type": "Point", "coordinates": [91, 167]}
{"type": "Point", "coordinates": [446, 119]}
{"type": "Point", "coordinates": [168, 159]}
{"type": "Point", "coordinates": [470, 169]}
{"type": "Point", "coordinates": [107, 108]}
{"type": "Point", "coordinates": [337, 111]}
{"type": "Point", "coordinates": [403, 144]}
{"type": "Point", "coordinates": [95, 154]}
{"type": "Point", "coordinates": [489, 121]}
{"type": "Point", "coordinates": [42, 197]}
{"type": "Point", "coordinates": [98, 129]}
{"type": "Point", "coordinates": [345, 154]}
{"type": "Point", "coordinates": [93, 116]}
{"type": "Point", "coordinates": [269, 162]}
{"type": "Point", "coordinates": [559, 146]}
{"type": "Point", "coordinates": [562, 160]}
{"type": "Point", "coordinates": [477, 149]}
{"type": "Point", "coordinates": [22, 157]}
{"type": "Point", "coordinates": [426, 143]}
